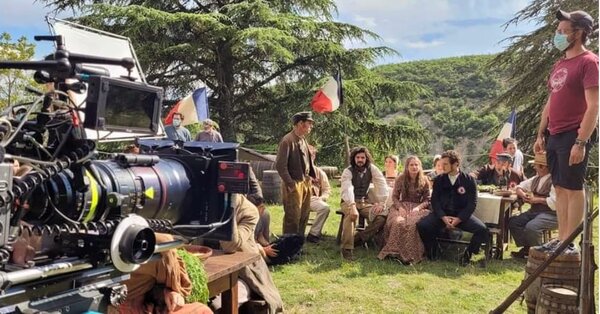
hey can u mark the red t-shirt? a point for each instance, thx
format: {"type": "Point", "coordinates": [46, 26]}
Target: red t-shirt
{"type": "Point", "coordinates": [567, 83]}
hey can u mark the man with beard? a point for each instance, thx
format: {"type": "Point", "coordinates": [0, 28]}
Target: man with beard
{"type": "Point", "coordinates": [569, 120]}
{"type": "Point", "coordinates": [356, 180]}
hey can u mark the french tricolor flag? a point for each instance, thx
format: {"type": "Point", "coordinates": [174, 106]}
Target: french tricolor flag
{"type": "Point", "coordinates": [194, 108]}
{"type": "Point", "coordinates": [329, 97]}
{"type": "Point", "coordinates": [508, 130]}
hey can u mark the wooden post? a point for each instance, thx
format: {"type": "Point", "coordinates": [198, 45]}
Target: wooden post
{"type": "Point", "coordinates": [347, 142]}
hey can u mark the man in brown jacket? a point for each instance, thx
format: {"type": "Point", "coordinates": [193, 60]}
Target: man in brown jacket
{"type": "Point", "coordinates": [296, 168]}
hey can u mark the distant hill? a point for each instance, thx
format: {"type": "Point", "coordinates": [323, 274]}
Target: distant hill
{"type": "Point", "coordinates": [457, 111]}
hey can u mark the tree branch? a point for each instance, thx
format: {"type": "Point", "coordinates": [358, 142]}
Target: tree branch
{"type": "Point", "coordinates": [259, 84]}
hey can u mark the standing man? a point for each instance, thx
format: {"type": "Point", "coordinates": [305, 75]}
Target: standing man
{"type": "Point", "coordinates": [209, 134]}
{"type": "Point", "coordinates": [318, 200]}
{"type": "Point", "coordinates": [356, 180]}
{"type": "Point", "coordinates": [295, 167]}
{"type": "Point", "coordinates": [176, 132]}
{"type": "Point", "coordinates": [453, 202]}
{"type": "Point", "coordinates": [569, 119]}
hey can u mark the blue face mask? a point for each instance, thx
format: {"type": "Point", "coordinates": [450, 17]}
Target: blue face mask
{"type": "Point", "coordinates": [176, 122]}
{"type": "Point", "coordinates": [560, 41]}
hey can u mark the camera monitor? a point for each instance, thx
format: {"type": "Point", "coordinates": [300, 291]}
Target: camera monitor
{"type": "Point", "coordinates": [114, 104]}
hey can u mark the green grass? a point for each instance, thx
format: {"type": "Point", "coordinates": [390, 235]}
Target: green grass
{"type": "Point", "coordinates": [321, 283]}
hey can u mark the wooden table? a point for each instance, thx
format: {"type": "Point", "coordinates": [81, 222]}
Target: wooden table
{"type": "Point", "coordinates": [222, 271]}
{"type": "Point", "coordinates": [500, 226]}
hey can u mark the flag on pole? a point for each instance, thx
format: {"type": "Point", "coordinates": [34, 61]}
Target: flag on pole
{"type": "Point", "coordinates": [194, 108]}
{"type": "Point", "coordinates": [508, 130]}
{"type": "Point", "coordinates": [329, 97]}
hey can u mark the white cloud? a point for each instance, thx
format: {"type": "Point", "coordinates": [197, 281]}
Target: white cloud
{"type": "Point", "coordinates": [424, 44]}
{"type": "Point", "coordinates": [390, 40]}
{"type": "Point", "coordinates": [420, 29]}
{"type": "Point", "coordinates": [368, 22]}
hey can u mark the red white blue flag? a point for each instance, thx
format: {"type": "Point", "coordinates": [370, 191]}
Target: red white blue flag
{"type": "Point", "coordinates": [194, 108]}
{"type": "Point", "coordinates": [508, 130]}
{"type": "Point", "coordinates": [329, 97]}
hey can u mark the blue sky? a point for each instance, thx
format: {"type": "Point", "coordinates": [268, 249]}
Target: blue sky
{"type": "Point", "coordinates": [417, 29]}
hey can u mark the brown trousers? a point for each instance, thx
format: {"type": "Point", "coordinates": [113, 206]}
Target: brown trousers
{"type": "Point", "coordinates": [348, 226]}
{"type": "Point", "coordinates": [296, 207]}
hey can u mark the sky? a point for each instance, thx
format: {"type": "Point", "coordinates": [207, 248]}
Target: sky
{"type": "Point", "coordinates": [416, 29]}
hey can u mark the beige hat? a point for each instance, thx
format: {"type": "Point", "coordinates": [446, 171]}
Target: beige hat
{"type": "Point", "coordinates": [539, 159]}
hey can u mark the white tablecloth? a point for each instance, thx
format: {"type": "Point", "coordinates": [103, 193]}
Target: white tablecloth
{"type": "Point", "coordinates": [488, 208]}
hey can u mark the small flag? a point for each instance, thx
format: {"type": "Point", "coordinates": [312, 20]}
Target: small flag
{"type": "Point", "coordinates": [194, 108]}
{"type": "Point", "coordinates": [329, 97]}
{"type": "Point", "coordinates": [508, 130]}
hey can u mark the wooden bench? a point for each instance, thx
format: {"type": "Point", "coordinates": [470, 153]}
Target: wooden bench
{"type": "Point", "coordinates": [491, 251]}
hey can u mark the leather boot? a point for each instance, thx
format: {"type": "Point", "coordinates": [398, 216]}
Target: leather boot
{"type": "Point", "coordinates": [347, 255]}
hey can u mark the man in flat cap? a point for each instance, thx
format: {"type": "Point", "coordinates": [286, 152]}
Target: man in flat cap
{"type": "Point", "coordinates": [498, 173]}
{"type": "Point", "coordinates": [569, 118]}
{"type": "Point", "coordinates": [527, 228]}
{"type": "Point", "coordinates": [296, 169]}
{"type": "Point", "coordinates": [209, 134]}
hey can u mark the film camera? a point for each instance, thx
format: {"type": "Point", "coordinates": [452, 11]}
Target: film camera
{"type": "Point", "coordinates": [91, 221]}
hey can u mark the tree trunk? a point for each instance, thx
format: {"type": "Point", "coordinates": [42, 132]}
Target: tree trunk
{"type": "Point", "coordinates": [225, 101]}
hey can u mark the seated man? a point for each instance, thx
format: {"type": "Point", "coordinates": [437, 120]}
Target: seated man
{"type": "Point", "coordinates": [509, 145]}
{"type": "Point", "coordinates": [538, 191]}
{"type": "Point", "coordinates": [498, 173]}
{"type": "Point", "coordinates": [453, 201]}
{"type": "Point", "coordinates": [318, 201]}
{"type": "Point", "coordinates": [356, 180]}
{"type": "Point", "coordinates": [255, 280]}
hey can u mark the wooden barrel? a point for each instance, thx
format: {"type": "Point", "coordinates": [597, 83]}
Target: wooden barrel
{"type": "Point", "coordinates": [271, 187]}
{"type": "Point", "coordinates": [557, 299]}
{"type": "Point", "coordinates": [331, 172]}
{"type": "Point", "coordinates": [259, 166]}
{"type": "Point", "coordinates": [564, 270]}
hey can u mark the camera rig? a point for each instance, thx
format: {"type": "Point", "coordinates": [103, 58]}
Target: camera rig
{"type": "Point", "coordinates": [73, 227]}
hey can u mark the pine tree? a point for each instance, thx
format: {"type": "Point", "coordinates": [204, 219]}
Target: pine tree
{"type": "Point", "coordinates": [263, 60]}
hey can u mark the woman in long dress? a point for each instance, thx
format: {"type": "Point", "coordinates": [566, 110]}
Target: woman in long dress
{"type": "Point", "coordinates": [410, 203]}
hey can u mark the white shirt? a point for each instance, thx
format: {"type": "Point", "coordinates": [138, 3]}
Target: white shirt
{"type": "Point", "coordinates": [381, 190]}
{"type": "Point", "coordinates": [551, 199]}
{"type": "Point", "coordinates": [453, 178]}
{"type": "Point", "coordinates": [518, 161]}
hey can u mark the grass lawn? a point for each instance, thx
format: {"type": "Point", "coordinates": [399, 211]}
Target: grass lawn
{"type": "Point", "coordinates": [321, 283]}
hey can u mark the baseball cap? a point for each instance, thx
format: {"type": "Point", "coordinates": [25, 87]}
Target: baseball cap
{"type": "Point", "coordinates": [580, 19]}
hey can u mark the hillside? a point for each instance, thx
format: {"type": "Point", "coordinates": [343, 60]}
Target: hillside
{"type": "Point", "coordinates": [457, 110]}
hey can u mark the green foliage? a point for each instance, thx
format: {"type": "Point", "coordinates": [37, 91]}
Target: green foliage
{"type": "Point", "coordinates": [457, 77]}
{"type": "Point", "coordinates": [197, 275]}
{"type": "Point", "coordinates": [13, 82]}
{"type": "Point", "coordinates": [463, 122]}
{"type": "Point", "coordinates": [454, 111]}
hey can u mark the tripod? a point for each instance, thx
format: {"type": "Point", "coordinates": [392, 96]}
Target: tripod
{"type": "Point", "coordinates": [588, 266]}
